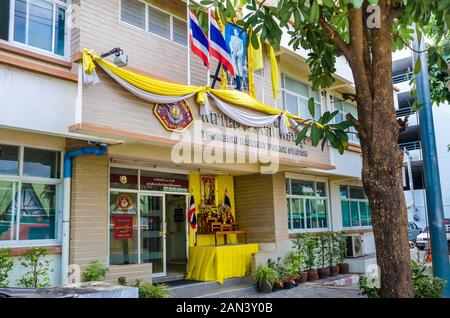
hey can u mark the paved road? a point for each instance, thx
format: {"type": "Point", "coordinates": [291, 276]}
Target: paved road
{"type": "Point", "coordinates": [311, 292]}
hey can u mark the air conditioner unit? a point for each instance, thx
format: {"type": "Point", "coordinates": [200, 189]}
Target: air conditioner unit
{"type": "Point", "coordinates": [354, 246]}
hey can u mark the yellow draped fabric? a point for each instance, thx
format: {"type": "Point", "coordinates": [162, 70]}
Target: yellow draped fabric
{"type": "Point", "coordinates": [165, 88]}
{"type": "Point", "coordinates": [217, 263]}
{"type": "Point", "coordinates": [251, 68]}
{"type": "Point", "coordinates": [274, 71]}
{"type": "Point", "coordinates": [146, 83]}
{"type": "Point", "coordinates": [255, 62]}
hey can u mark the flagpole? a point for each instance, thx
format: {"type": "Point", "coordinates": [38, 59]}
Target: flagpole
{"type": "Point", "coordinates": [189, 44]}
{"type": "Point", "coordinates": [208, 73]}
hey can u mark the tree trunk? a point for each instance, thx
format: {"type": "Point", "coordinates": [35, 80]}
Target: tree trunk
{"type": "Point", "coordinates": [382, 181]}
{"type": "Point", "coordinates": [383, 184]}
{"type": "Point", "coordinates": [382, 158]}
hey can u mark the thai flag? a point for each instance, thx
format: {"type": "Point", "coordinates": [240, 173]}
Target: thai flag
{"type": "Point", "coordinates": [219, 48]}
{"type": "Point", "coordinates": [191, 216]}
{"type": "Point", "coordinates": [198, 39]}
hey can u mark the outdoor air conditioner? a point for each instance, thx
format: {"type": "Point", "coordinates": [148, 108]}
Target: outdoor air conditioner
{"type": "Point", "coordinates": [354, 246]}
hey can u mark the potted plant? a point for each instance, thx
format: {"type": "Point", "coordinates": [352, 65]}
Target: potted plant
{"type": "Point", "coordinates": [293, 263]}
{"type": "Point", "coordinates": [333, 252]}
{"type": "Point", "coordinates": [265, 278]}
{"type": "Point", "coordinates": [341, 241]}
{"type": "Point", "coordinates": [300, 248]}
{"type": "Point", "coordinates": [279, 269]}
{"type": "Point", "coordinates": [310, 247]}
{"type": "Point", "coordinates": [324, 270]}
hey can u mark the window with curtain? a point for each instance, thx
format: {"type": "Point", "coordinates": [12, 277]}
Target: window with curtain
{"type": "Point", "coordinates": [354, 207]}
{"type": "Point", "coordinates": [30, 192]}
{"type": "Point", "coordinates": [40, 24]}
{"type": "Point", "coordinates": [296, 95]}
{"type": "Point", "coordinates": [147, 17]}
{"type": "Point", "coordinates": [345, 108]}
{"type": "Point", "coordinates": [307, 204]}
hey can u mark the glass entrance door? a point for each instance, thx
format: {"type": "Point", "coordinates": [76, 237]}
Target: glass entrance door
{"type": "Point", "coordinates": [153, 232]}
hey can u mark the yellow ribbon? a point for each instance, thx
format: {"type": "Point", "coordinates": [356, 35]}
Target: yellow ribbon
{"type": "Point", "coordinates": [164, 88]}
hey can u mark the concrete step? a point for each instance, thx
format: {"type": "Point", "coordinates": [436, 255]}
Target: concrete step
{"type": "Point", "coordinates": [199, 289]}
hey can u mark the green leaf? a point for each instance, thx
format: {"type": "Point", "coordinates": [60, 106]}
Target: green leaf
{"type": "Point", "coordinates": [314, 12]}
{"type": "Point", "coordinates": [254, 40]}
{"type": "Point", "coordinates": [315, 135]}
{"type": "Point", "coordinates": [302, 135]}
{"type": "Point", "coordinates": [206, 2]}
{"type": "Point", "coordinates": [311, 107]}
{"type": "Point", "coordinates": [418, 66]}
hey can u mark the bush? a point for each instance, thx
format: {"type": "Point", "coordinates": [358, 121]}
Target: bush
{"type": "Point", "coordinates": [425, 286]}
{"type": "Point", "coordinates": [148, 290]}
{"type": "Point", "coordinates": [6, 265]}
{"type": "Point", "coordinates": [265, 274]}
{"type": "Point", "coordinates": [39, 268]}
{"type": "Point", "coordinates": [367, 288]}
{"type": "Point", "coordinates": [96, 271]}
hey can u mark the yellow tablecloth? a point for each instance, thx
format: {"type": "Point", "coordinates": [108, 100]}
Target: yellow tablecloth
{"type": "Point", "coordinates": [216, 263]}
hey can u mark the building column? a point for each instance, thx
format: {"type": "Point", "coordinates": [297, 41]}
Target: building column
{"type": "Point", "coordinates": [89, 208]}
{"type": "Point", "coordinates": [262, 213]}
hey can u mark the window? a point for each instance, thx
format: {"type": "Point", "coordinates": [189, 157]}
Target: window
{"type": "Point", "coordinates": [147, 17]}
{"type": "Point", "coordinates": [306, 204]}
{"type": "Point", "coordinates": [345, 108]}
{"type": "Point", "coordinates": [354, 207]}
{"type": "Point", "coordinates": [30, 190]}
{"type": "Point", "coordinates": [296, 96]}
{"type": "Point", "coordinates": [40, 24]}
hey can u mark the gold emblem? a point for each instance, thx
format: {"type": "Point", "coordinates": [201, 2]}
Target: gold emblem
{"type": "Point", "coordinates": [123, 179]}
{"type": "Point", "coordinates": [175, 116]}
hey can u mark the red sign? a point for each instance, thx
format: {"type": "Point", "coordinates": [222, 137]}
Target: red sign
{"type": "Point", "coordinates": [123, 227]}
{"type": "Point", "coordinates": [175, 116]}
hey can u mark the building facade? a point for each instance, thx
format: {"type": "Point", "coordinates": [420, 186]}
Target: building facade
{"type": "Point", "coordinates": [147, 171]}
{"type": "Point", "coordinates": [410, 142]}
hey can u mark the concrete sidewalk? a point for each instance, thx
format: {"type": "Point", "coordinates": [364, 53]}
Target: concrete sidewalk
{"type": "Point", "coordinates": [311, 291]}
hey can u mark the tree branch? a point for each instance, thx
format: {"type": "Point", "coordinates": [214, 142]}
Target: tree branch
{"type": "Point", "coordinates": [359, 128]}
{"type": "Point", "coordinates": [335, 38]}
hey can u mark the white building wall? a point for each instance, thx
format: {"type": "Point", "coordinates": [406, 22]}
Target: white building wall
{"type": "Point", "coordinates": [36, 102]}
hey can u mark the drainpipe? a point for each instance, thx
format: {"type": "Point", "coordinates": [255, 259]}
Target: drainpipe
{"type": "Point", "coordinates": [96, 151]}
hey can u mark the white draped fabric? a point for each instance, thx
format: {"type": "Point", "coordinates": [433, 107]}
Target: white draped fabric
{"type": "Point", "coordinates": [233, 112]}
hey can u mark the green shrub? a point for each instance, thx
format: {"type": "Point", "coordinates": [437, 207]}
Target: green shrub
{"type": "Point", "coordinates": [369, 291]}
{"type": "Point", "coordinates": [6, 265]}
{"type": "Point", "coordinates": [266, 274]}
{"type": "Point", "coordinates": [96, 271]}
{"type": "Point", "coordinates": [39, 267]}
{"type": "Point", "coordinates": [148, 290]}
{"type": "Point", "coordinates": [425, 286]}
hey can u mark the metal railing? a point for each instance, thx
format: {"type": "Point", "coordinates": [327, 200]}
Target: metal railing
{"type": "Point", "coordinates": [413, 145]}
{"type": "Point", "coordinates": [402, 77]}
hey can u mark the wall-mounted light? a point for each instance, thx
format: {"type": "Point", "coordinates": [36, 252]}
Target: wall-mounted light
{"type": "Point", "coordinates": [120, 59]}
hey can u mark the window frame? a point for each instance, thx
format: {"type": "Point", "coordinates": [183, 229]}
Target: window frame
{"type": "Point", "coordinates": [290, 196]}
{"type": "Point", "coordinates": [352, 138]}
{"type": "Point", "coordinates": [284, 90]}
{"type": "Point", "coordinates": [349, 200]}
{"type": "Point", "coordinates": [67, 33]}
{"type": "Point", "coordinates": [20, 179]}
{"type": "Point", "coordinates": [146, 30]}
